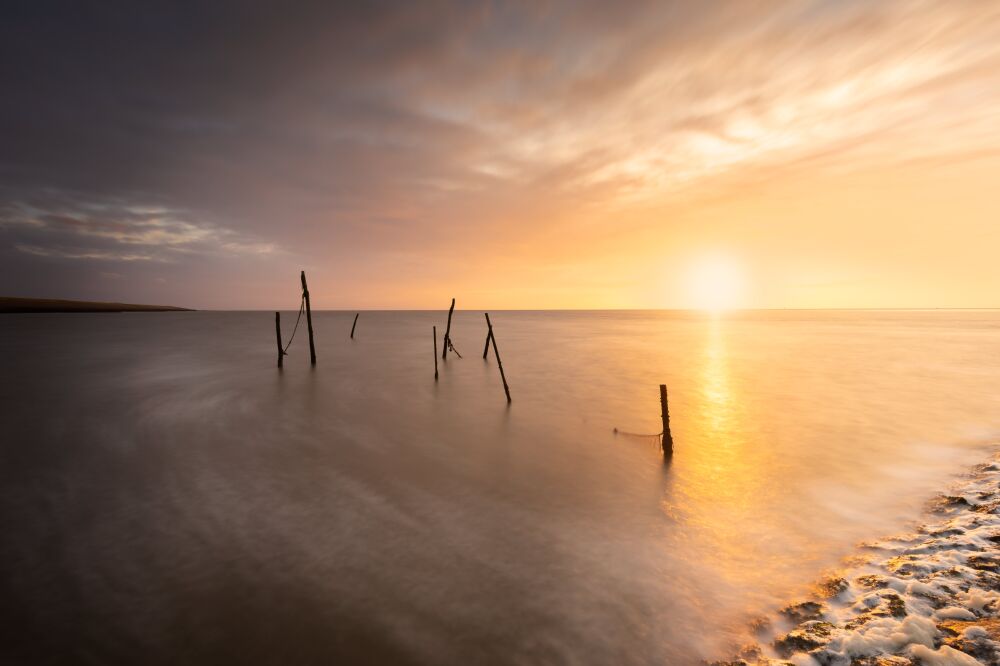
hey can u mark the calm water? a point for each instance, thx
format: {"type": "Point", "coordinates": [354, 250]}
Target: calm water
{"type": "Point", "coordinates": [168, 496]}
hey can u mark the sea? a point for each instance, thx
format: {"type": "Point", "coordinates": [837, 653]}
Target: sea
{"type": "Point", "coordinates": [169, 495]}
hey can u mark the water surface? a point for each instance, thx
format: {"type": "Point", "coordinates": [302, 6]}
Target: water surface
{"type": "Point", "coordinates": [168, 496]}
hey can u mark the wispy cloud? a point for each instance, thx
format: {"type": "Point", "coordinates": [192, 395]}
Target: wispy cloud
{"type": "Point", "coordinates": [115, 232]}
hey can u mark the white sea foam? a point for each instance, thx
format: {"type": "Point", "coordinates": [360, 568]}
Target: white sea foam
{"type": "Point", "coordinates": [930, 597]}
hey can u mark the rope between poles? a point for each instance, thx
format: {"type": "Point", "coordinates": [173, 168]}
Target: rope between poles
{"type": "Point", "coordinates": [302, 307]}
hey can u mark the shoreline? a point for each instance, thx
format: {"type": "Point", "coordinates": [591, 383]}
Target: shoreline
{"type": "Point", "coordinates": [13, 305]}
{"type": "Point", "coordinates": [929, 597]}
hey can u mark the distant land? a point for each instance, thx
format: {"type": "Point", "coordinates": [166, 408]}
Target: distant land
{"type": "Point", "coordinates": [10, 304]}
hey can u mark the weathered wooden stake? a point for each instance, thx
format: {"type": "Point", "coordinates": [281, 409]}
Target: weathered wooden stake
{"type": "Point", "coordinates": [309, 320]}
{"type": "Point", "coordinates": [435, 353]}
{"type": "Point", "coordinates": [490, 336]}
{"type": "Point", "coordinates": [277, 332]}
{"type": "Point", "coordinates": [355, 324]}
{"type": "Point", "coordinates": [668, 440]}
{"type": "Point", "coordinates": [447, 332]}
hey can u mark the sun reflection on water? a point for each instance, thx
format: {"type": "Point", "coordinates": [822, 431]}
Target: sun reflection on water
{"type": "Point", "coordinates": [719, 487]}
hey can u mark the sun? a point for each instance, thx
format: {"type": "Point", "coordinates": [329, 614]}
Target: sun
{"type": "Point", "coordinates": [715, 283]}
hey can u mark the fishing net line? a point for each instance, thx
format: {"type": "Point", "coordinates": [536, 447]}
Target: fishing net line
{"type": "Point", "coordinates": [302, 308]}
{"type": "Point", "coordinates": [657, 438]}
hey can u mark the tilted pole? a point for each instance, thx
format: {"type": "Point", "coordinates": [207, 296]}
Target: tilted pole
{"type": "Point", "coordinates": [355, 325]}
{"type": "Point", "coordinates": [506, 389]}
{"type": "Point", "coordinates": [447, 332]}
{"type": "Point", "coordinates": [489, 336]}
{"type": "Point", "coordinates": [309, 320]}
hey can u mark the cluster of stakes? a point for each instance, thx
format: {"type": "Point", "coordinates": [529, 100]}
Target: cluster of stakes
{"type": "Point", "coordinates": [667, 442]}
{"type": "Point", "coordinates": [305, 308]}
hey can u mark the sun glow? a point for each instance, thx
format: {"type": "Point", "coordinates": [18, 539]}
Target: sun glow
{"type": "Point", "coordinates": [715, 284]}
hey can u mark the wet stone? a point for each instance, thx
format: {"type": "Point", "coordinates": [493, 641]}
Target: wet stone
{"type": "Point", "coordinates": [807, 610]}
{"type": "Point", "coordinates": [831, 587]}
{"type": "Point", "coordinates": [980, 647]}
{"type": "Point", "coordinates": [945, 502]}
{"type": "Point", "coordinates": [896, 605]}
{"type": "Point", "coordinates": [989, 580]}
{"type": "Point", "coordinates": [984, 563]}
{"type": "Point", "coordinates": [805, 638]}
{"type": "Point", "coordinates": [872, 582]}
{"type": "Point", "coordinates": [935, 600]}
{"type": "Point", "coordinates": [825, 657]}
{"type": "Point", "coordinates": [857, 622]}
{"type": "Point", "coordinates": [890, 660]}
{"type": "Point", "coordinates": [986, 508]}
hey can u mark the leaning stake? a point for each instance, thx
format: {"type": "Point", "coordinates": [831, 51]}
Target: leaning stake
{"type": "Point", "coordinates": [435, 353]}
{"type": "Point", "coordinates": [277, 332]}
{"type": "Point", "coordinates": [489, 336]}
{"type": "Point", "coordinates": [496, 351]}
{"type": "Point", "coordinates": [447, 332]}
{"type": "Point", "coordinates": [355, 324]}
{"type": "Point", "coordinates": [309, 320]}
{"type": "Point", "coordinates": [668, 440]}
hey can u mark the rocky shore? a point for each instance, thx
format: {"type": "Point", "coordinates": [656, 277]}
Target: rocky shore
{"type": "Point", "coordinates": [931, 597]}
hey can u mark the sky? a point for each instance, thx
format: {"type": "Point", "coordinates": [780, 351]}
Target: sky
{"type": "Point", "coordinates": [514, 155]}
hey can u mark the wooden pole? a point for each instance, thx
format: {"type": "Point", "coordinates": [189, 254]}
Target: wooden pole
{"type": "Point", "coordinates": [447, 332]}
{"type": "Point", "coordinates": [277, 332]}
{"type": "Point", "coordinates": [489, 336]}
{"type": "Point", "coordinates": [309, 320]}
{"type": "Point", "coordinates": [668, 440]}
{"type": "Point", "coordinates": [356, 323]}
{"type": "Point", "coordinates": [435, 353]}
{"type": "Point", "coordinates": [506, 389]}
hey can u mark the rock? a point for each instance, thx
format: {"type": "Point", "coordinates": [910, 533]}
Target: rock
{"type": "Point", "coordinates": [983, 563]}
{"type": "Point", "coordinates": [859, 621]}
{"type": "Point", "coordinates": [872, 582]}
{"type": "Point", "coordinates": [909, 565]}
{"type": "Point", "coordinates": [991, 507]}
{"type": "Point", "coordinates": [989, 580]}
{"type": "Point", "coordinates": [895, 604]}
{"type": "Point", "coordinates": [831, 587]}
{"type": "Point", "coordinates": [891, 660]}
{"type": "Point", "coordinates": [945, 502]}
{"type": "Point", "coordinates": [991, 625]}
{"type": "Point", "coordinates": [980, 645]}
{"type": "Point", "coordinates": [808, 636]}
{"type": "Point", "coordinates": [802, 612]}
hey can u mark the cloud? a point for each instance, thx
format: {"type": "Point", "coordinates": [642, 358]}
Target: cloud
{"type": "Point", "coordinates": [116, 232]}
{"type": "Point", "coordinates": [350, 134]}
